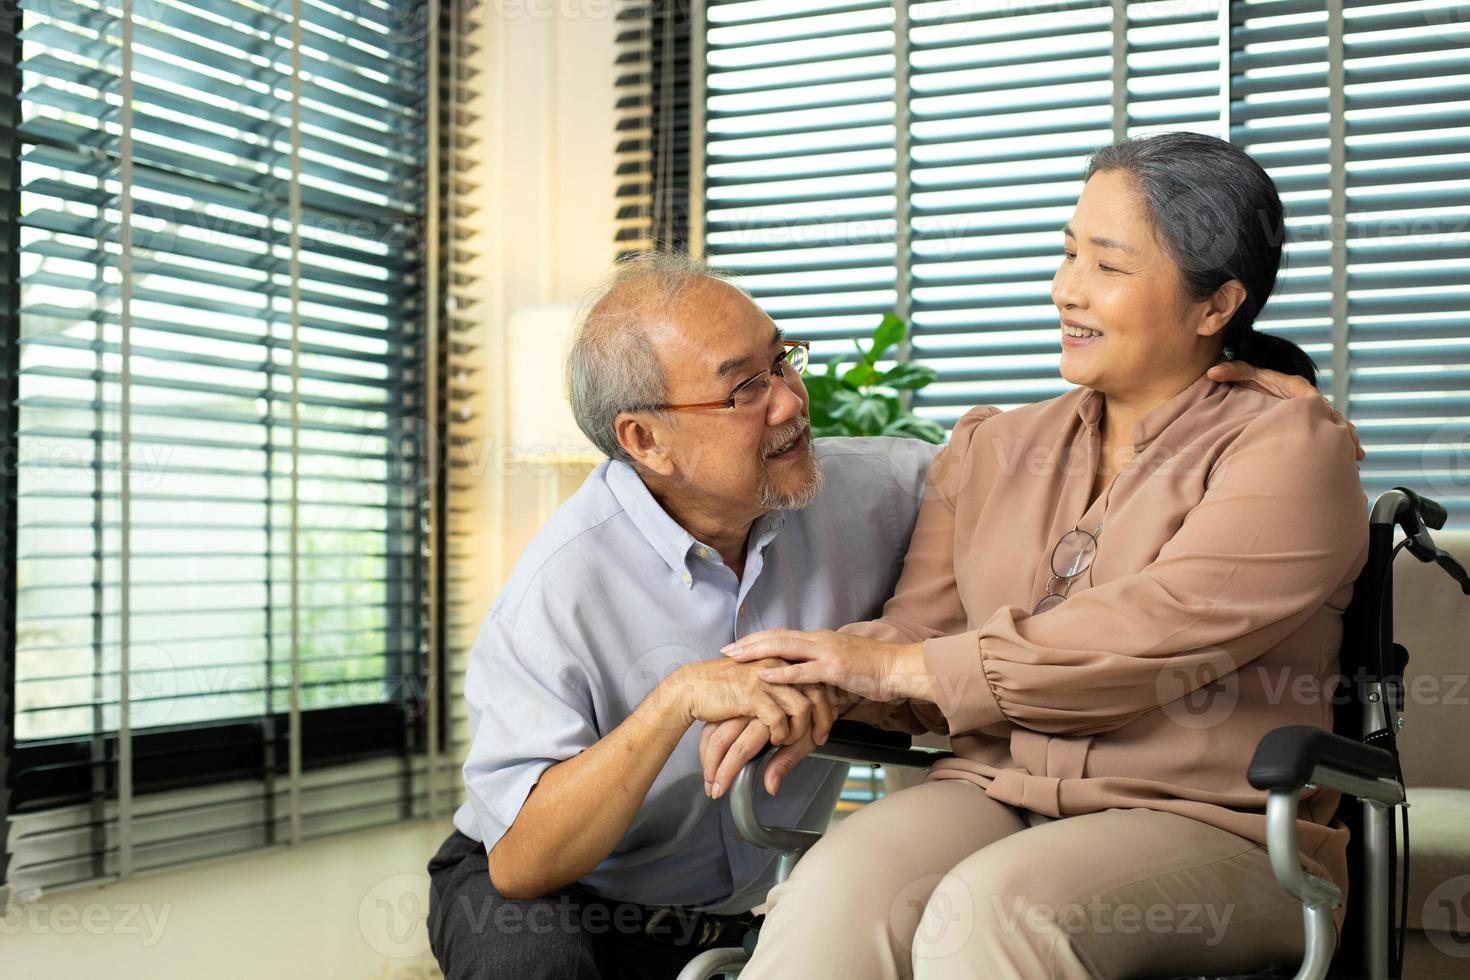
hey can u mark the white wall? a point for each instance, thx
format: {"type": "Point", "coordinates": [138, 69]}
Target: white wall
{"type": "Point", "coordinates": [346, 907]}
{"type": "Point", "coordinates": [544, 192]}
{"type": "Point", "coordinates": [551, 179]}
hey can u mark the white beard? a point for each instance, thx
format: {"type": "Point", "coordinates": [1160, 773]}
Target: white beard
{"type": "Point", "coordinates": [769, 498]}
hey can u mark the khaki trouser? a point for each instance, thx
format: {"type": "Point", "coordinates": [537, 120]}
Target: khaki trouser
{"type": "Point", "coordinates": [940, 881]}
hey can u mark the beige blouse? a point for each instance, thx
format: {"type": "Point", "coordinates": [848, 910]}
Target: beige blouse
{"type": "Point", "coordinates": [1211, 613]}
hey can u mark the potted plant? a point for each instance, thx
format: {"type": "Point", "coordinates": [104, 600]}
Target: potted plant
{"type": "Point", "coordinates": [863, 401]}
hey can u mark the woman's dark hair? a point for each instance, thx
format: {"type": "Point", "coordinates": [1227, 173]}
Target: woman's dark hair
{"type": "Point", "coordinates": [1219, 216]}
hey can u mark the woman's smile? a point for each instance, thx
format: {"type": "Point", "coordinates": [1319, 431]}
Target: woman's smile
{"type": "Point", "coordinates": [1075, 334]}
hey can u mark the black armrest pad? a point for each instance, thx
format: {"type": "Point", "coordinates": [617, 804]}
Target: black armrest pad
{"type": "Point", "coordinates": [855, 742]}
{"type": "Point", "coordinates": [857, 733]}
{"type": "Point", "coordinates": [1286, 756]}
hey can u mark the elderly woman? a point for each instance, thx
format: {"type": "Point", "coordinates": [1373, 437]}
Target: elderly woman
{"type": "Point", "coordinates": [1108, 599]}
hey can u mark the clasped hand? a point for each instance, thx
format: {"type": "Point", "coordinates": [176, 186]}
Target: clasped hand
{"type": "Point", "coordinates": [846, 666]}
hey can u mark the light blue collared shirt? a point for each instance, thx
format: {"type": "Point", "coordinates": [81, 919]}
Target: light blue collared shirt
{"type": "Point", "coordinates": [612, 595]}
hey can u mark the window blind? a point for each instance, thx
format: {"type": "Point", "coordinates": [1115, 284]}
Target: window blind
{"type": "Point", "coordinates": [653, 124]}
{"type": "Point", "coordinates": [1005, 108]}
{"type": "Point", "coordinates": [1278, 110]}
{"type": "Point", "coordinates": [459, 502]}
{"type": "Point", "coordinates": [1361, 112]}
{"type": "Point", "coordinates": [9, 367]}
{"type": "Point", "coordinates": [1406, 136]}
{"type": "Point", "coordinates": [979, 117]}
{"type": "Point", "coordinates": [227, 395]}
{"type": "Point", "coordinates": [954, 136]}
{"type": "Point", "coordinates": [800, 159]}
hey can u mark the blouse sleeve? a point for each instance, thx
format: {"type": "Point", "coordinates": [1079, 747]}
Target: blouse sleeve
{"type": "Point", "coordinates": [1281, 527]}
{"type": "Point", "coordinates": [926, 602]}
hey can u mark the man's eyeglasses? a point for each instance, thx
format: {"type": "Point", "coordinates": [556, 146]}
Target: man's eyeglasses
{"type": "Point", "coordinates": [753, 391]}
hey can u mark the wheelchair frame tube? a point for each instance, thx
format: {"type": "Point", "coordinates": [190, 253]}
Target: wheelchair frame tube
{"type": "Point", "coordinates": [1377, 716]}
{"type": "Point", "coordinates": [790, 842]}
{"type": "Point", "coordinates": [1317, 895]}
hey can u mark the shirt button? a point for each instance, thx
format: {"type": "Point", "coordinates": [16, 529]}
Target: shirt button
{"type": "Point", "coordinates": [687, 578]}
{"type": "Point", "coordinates": [742, 610]}
{"type": "Point", "coordinates": [702, 552]}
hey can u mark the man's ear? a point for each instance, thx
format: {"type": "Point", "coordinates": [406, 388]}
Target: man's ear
{"type": "Point", "coordinates": [639, 440]}
{"type": "Point", "coordinates": [1220, 307]}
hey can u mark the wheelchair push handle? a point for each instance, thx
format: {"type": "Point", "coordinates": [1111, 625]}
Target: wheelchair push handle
{"type": "Point", "coordinates": [1421, 511]}
{"type": "Point", "coordinates": [1416, 514]}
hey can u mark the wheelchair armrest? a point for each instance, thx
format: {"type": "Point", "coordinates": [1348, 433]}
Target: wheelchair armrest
{"type": "Point", "coordinates": [852, 741]}
{"type": "Point", "coordinates": [1293, 756]}
{"type": "Point", "coordinates": [1289, 759]}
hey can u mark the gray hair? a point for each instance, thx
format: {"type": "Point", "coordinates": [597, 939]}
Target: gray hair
{"type": "Point", "coordinates": [1219, 216]}
{"type": "Point", "coordinates": [612, 366]}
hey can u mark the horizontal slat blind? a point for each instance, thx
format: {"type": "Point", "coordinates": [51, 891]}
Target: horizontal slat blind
{"type": "Point", "coordinates": [462, 388]}
{"type": "Point", "coordinates": [652, 108]}
{"type": "Point", "coordinates": [1364, 123]}
{"type": "Point", "coordinates": [9, 368]}
{"type": "Point", "coordinates": [1172, 72]}
{"type": "Point", "coordinates": [799, 151]}
{"type": "Point", "coordinates": [276, 404]}
{"type": "Point", "coordinates": [1407, 128]}
{"type": "Point", "coordinates": [1006, 105]}
{"type": "Point", "coordinates": [1370, 149]}
{"type": "Point", "coordinates": [61, 845]}
{"type": "Point", "coordinates": [1272, 96]}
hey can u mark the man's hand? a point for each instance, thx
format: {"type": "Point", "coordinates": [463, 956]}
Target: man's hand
{"type": "Point", "coordinates": [1280, 385]}
{"type": "Point", "coordinates": [720, 689]}
{"type": "Point", "coordinates": [726, 747]}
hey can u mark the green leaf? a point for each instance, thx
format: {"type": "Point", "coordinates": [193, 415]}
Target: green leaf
{"type": "Point", "coordinates": [913, 427]}
{"type": "Point", "coordinates": [841, 402]}
{"type": "Point", "coordinates": [891, 331]}
{"type": "Point", "coordinates": [908, 376]}
{"type": "Point", "coordinates": [860, 376]}
{"type": "Point", "coordinates": [869, 415]}
{"type": "Point", "coordinates": [819, 388]}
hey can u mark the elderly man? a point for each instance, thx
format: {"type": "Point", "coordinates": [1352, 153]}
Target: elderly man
{"type": "Point", "coordinates": [591, 844]}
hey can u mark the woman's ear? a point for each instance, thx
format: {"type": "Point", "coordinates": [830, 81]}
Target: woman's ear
{"type": "Point", "coordinates": [1220, 307]}
{"type": "Point", "coordinates": [639, 441]}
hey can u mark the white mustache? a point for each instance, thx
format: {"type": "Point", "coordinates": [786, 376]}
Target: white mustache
{"type": "Point", "coordinates": [787, 435]}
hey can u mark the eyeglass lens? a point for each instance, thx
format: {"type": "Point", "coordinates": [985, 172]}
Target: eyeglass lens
{"type": "Point", "coordinates": [754, 390]}
{"type": "Point", "coordinates": [1071, 556]}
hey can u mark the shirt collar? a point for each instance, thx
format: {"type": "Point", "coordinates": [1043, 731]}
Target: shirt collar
{"type": "Point", "coordinates": [666, 535]}
{"type": "Point", "coordinates": [1152, 425]}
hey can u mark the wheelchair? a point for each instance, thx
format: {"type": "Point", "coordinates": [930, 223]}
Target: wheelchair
{"type": "Point", "coordinates": [1359, 758]}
